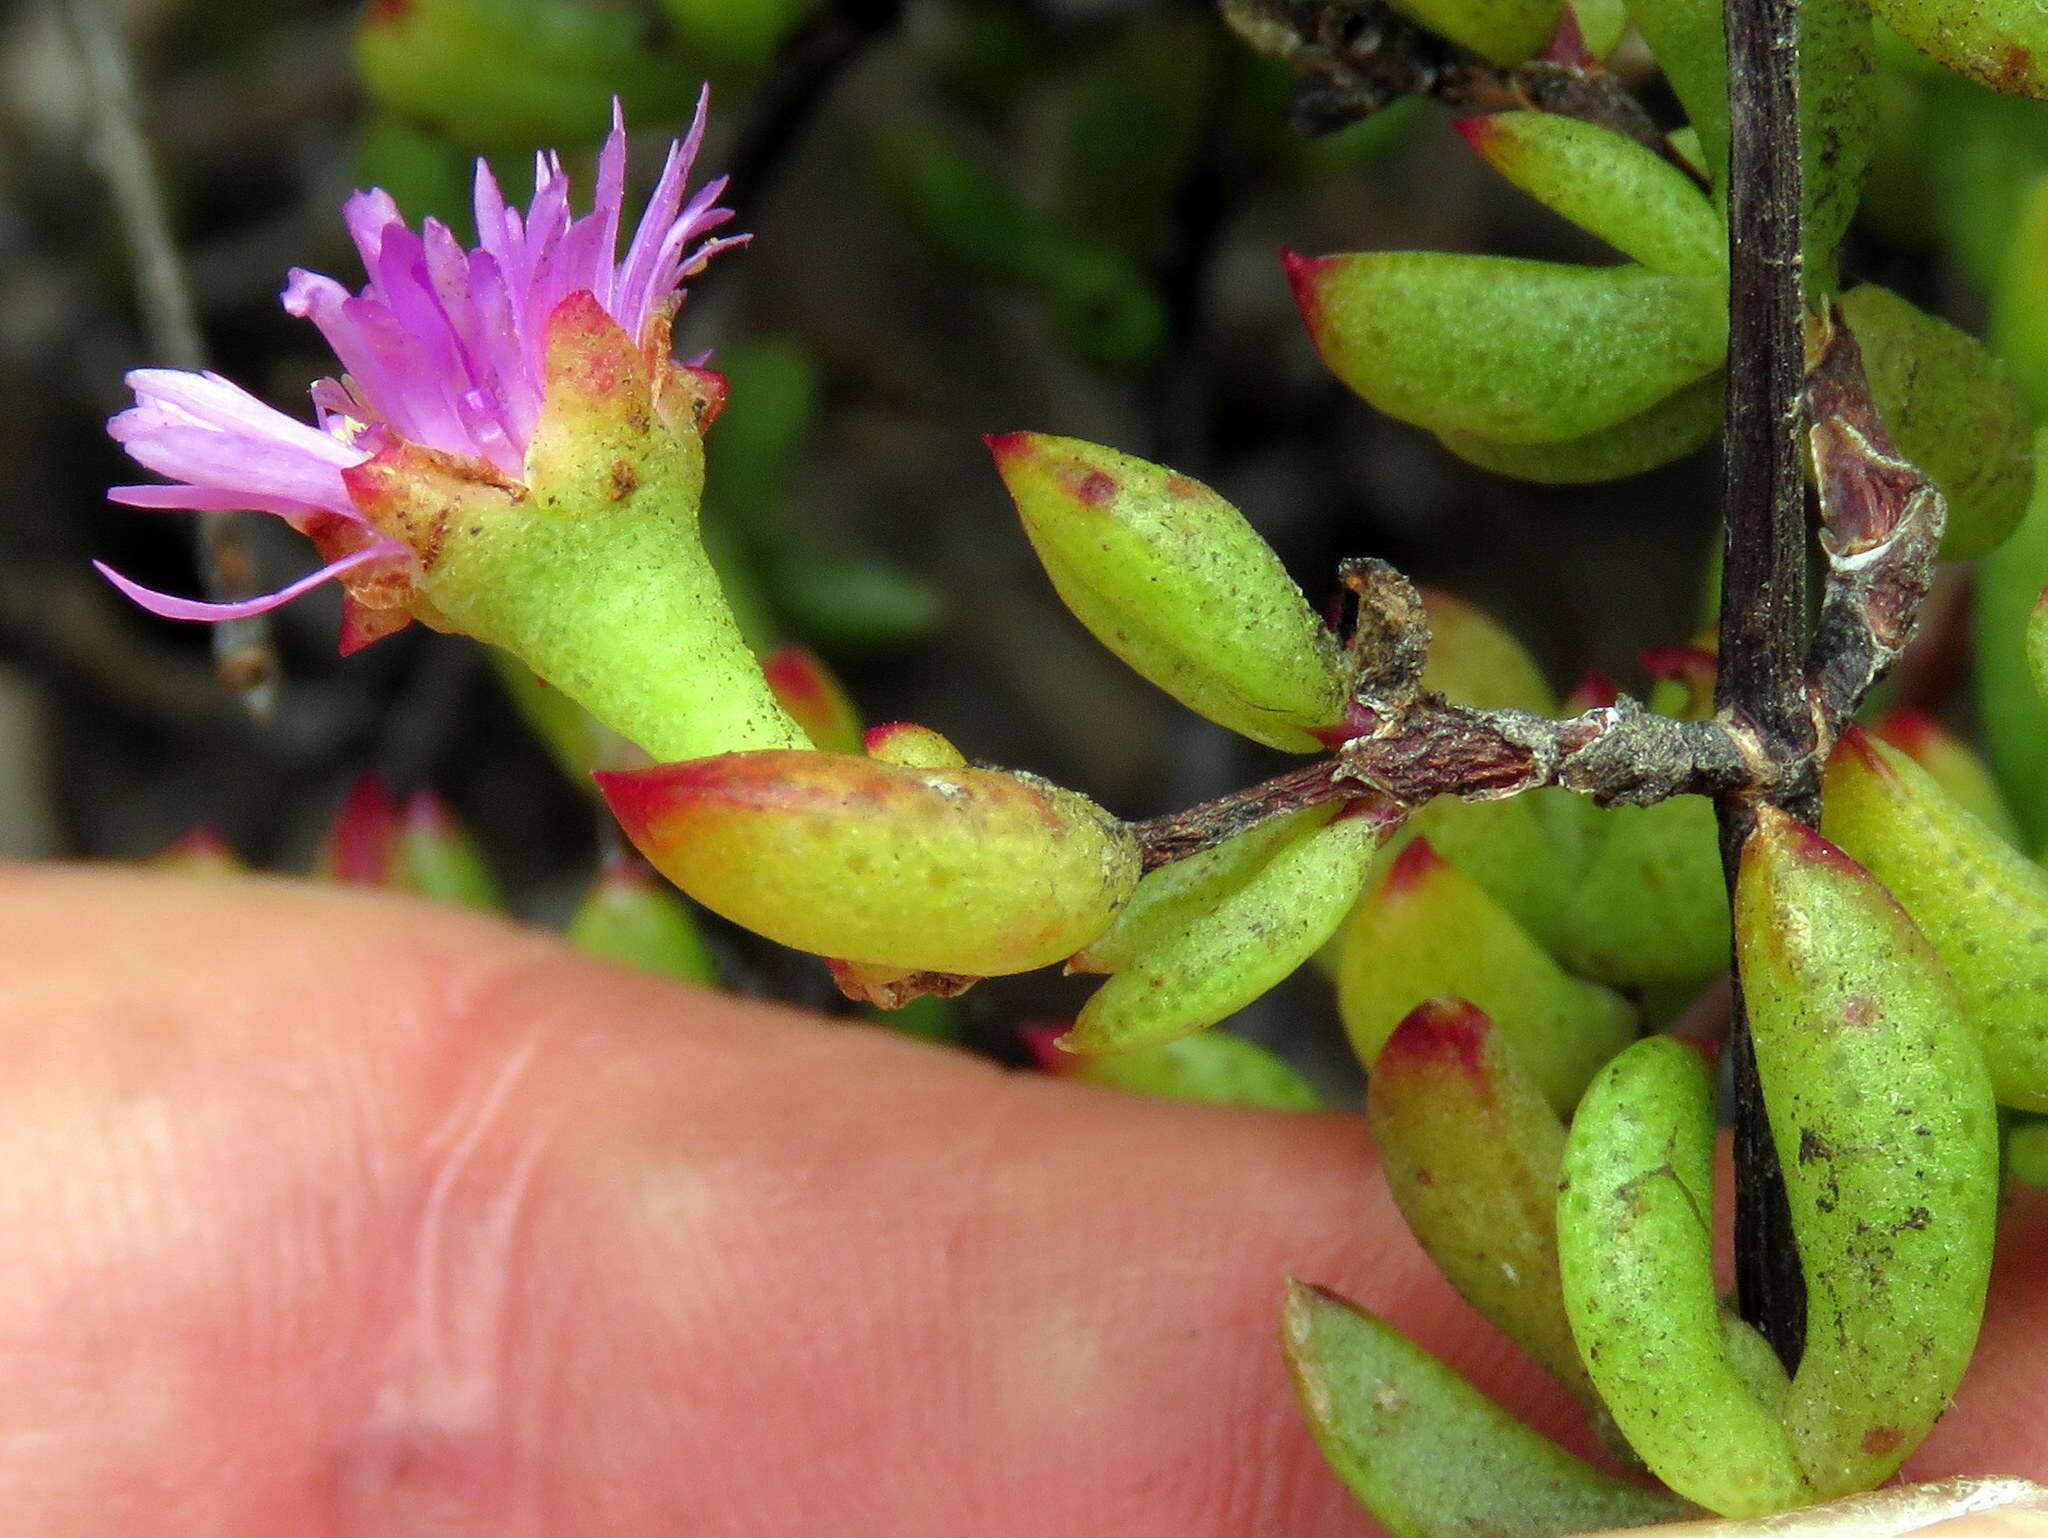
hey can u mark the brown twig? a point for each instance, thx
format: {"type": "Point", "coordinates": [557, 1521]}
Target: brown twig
{"type": "Point", "coordinates": [244, 658]}
{"type": "Point", "coordinates": [1763, 595]}
{"type": "Point", "coordinates": [1357, 57]}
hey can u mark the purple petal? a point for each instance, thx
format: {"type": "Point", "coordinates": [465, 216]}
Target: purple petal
{"type": "Point", "coordinates": [172, 607]}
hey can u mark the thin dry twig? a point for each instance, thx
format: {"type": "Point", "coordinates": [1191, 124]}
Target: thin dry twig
{"type": "Point", "coordinates": [245, 660]}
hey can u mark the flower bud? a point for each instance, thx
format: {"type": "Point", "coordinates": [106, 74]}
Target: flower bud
{"type": "Point", "coordinates": [1517, 351]}
{"type": "Point", "coordinates": [1426, 1452]}
{"type": "Point", "coordinates": [1609, 186]}
{"type": "Point", "coordinates": [975, 871]}
{"type": "Point", "coordinates": [1636, 1250]}
{"type": "Point", "coordinates": [1213, 962]}
{"type": "Point", "coordinates": [1171, 578]}
{"type": "Point", "coordinates": [1981, 902]}
{"type": "Point", "coordinates": [1214, 1068]}
{"type": "Point", "coordinates": [1471, 1152]}
{"type": "Point", "coordinates": [629, 917]}
{"type": "Point", "coordinates": [1882, 1114]}
{"type": "Point", "coordinates": [1429, 931]}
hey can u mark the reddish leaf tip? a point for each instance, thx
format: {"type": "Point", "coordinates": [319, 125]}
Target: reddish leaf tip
{"type": "Point", "coordinates": [793, 672]}
{"type": "Point", "coordinates": [1008, 447]}
{"type": "Point", "coordinates": [360, 845]}
{"type": "Point", "coordinates": [1596, 691]}
{"type": "Point", "coordinates": [1801, 843]}
{"type": "Point", "coordinates": [1043, 1042]}
{"type": "Point", "coordinates": [1439, 1033]}
{"type": "Point", "coordinates": [1857, 743]}
{"type": "Point", "coordinates": [1911, 731]}
{"type": "Point", "coordinates": [1568, 44]}
{"type": "Point", "coordinates": [426, 813]}
{"type": "Point", "coordinates": [1413, 866]}
{"type": "Point", "coordinates": [1475, 131]}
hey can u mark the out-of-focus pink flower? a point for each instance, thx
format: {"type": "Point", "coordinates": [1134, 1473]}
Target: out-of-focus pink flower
{"type": "Point", "coordinates": [443, 350]}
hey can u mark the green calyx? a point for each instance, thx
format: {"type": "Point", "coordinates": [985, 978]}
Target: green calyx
{"type": "Point", "coordinates": [591, 571]}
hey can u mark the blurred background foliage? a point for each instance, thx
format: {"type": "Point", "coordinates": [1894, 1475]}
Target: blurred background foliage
{"type": "Point", "coordinates": [970, 216]}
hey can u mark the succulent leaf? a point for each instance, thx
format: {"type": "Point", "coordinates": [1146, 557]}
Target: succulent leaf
{"type": "Point", "coordinates": [1883, 1118]}
{"type": "Point", "coordinates": [971, 871]}
{"type": "Point", "coordinates": [1518, 351]}
{"type": "Point", "coordinates": [1429, 931]}
{"type": "Point", "coordinates": [1213, 1068]}
{"type": "Point", "coordinates": [1636, 1248]}
{"type": "Point", "coordinates": [629, 917]}
{"type": "Point", "coordinates": [1999, 46]}
{"type": "Point", "coordinates": [1428, 1454]}
{"type": "Point", "coordinates": [1171, 578]}
{"type": "Point", "coordinates": [1505, 31]}
{"type": "Point", "coordinates": [1472, 1154]}
{"type": "Point", "coordinates": [1216, 961]}
{"type": "Point", "coordinates": [2008, 587]}
{"type": "Point", "coordinates": [1675, 426]}
{"type": "Point", "coordinates": [1982, 903]}
{"type": "Point", "coordinates": [1609, 186]}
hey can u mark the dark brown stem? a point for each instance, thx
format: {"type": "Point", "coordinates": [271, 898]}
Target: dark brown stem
{"type": "Point", "coordinates": [1763, 596]}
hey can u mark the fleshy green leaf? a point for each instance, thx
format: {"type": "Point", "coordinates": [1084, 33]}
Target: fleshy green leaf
{"type": "Point", "coordinates": [1519, 351]}
{"type": "Point", "coordinates": [1672, 428]}
{"type": "Point", "coordinates": [1635, 1241]}
{"type": "Point", "coordinates": [1213, 1068]}
{"type": "Point", "coordinates": [1609, 186]}
{"type": "Point", "coordinates": [1231, 953]}
{"type": "Point", "coordinates": [2009, 584]}
{"type": "Point", "coordinates": [1955, 412]}
{"type": "Point", "coordinates": [1692, 50]}
{"type": "Point", "coordinates": [437, 858]}
{"type": "Point", "coordinates": [1171, 578]}
{"type": "Point", "coordinates": [1472, 1153]}
{"type": "Point", "coordinates": [2000, 46]}
{"type": "Point", "coordinates": [1882, 1114]}
{"type": "Point", "coordinates": [1505, 31]}
{"type": "Point", "coordinates": [1428, 1454]}
{"type": "Point", "coordinates": [1954, 766]}
{"type": "Point", "coordinates": [631, 918]}
{"type": "Point", "coordinates": [1428, 931]}
{"type": "Point", "coordinates": [1981, 902]}
{"type": "Point", "coordinates": [968, 871]}
{"type": "Point", "coordinates": [1651, 906]}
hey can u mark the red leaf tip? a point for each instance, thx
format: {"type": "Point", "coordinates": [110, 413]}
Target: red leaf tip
{"type": "Point", "coordinates": [1413, 866]}
{"type": "Point", "coordinates": [1440, 1033]}
{"type": "Point", "coordinates": [1042, 1040]}
{"type": "Point", "coordinates": [1475, 131]}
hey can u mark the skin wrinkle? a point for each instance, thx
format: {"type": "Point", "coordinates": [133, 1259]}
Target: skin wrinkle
{"type": "Point", "coordinates": [704, 1371]}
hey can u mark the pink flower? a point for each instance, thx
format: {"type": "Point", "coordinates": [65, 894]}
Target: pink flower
{"type": "Point", "coordinates": [443, 350]}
